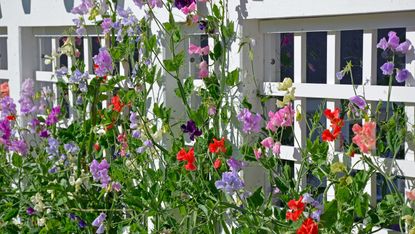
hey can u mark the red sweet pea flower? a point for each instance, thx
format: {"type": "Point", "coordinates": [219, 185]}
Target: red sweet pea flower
{"type": "Point", "coordinates": [189, 157]}
{"type": "Point", "coordinates": [296, 209]}
{"type": "Point", "coordinates": [11, 117]}
{"type": "Point", "coordinates": [336, 125]}
{"type": "Point", "coordinates": [116, 103]}
{"type": "Point", "coordinates": [217, 163]}
{"type": "Point", "coordinates": [308, 227]}
{"type": "Point", "coordinates": [217, 146]}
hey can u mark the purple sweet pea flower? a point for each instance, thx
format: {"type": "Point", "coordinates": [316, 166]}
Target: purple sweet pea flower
{"type": "Point", "coordinates": [139, 3]}
{"type": "Point", "coordinates": [53, 147]}
{"type": "Point", "coordinates": [5, 131]}
{"type": "Point", "coordinates": [53, 116]}
{"type": "Point", "coordinates": [316, 215]}
{"type": "Point", "coordinates": [393, 40]}
{"type": "Point", "coordinates": [116, 186]}
{"type": "Point", "coordinates": [104, 62]}
{"type": "Point", "coordinates": [387, 68]}
{"type": "Point", "coordinates": [30, 211]}
{"type": "Point", "coordinates": [404, 47]}
{"type": "Point", "coordinates": [307, 198]}
{"type": "Point", "coordinates": [44, 134]}
{"type": "Point", "coordinates": [202, 25]}
{"type": "Point", "coordinates": [71, 148]}
{"type": "Point", "coordinates": [230, 182]}
{"type": "Point", "coordinates": [235, 165]}
{"type": "Point", "coordinates": [251, 122]}
{"type": "Point", "coordinates": [383, 44]}
{"type": "Point", "coordinates": [99, 172]}
{"type": "Point", "coordinates": [191, 128]}
{"type": "Point", "coordinates": [136, 134]}
{"type": "Point", "coordinates": [99, 220]}
{"type": "Point", "coordinates": [83, 8]}
{"type": "Point", "coordinates": [81, 223]}
{"type": "Point", "coordinates": [183, 3]}
{"type": "Point", "coordinates": [19, 146]}
{"type": "Point", "coordinates": [106, 25]}
{"type": "Point", "coordinates": [358, 101]}
{"type": "Point", "coordinates": [402, 75]}
{"type": "Point", "coordinates": [148, 143]}
{"type": "Point", "coordinates": [140, 149]}
{"type": "Point", "coordinates": [26, 97]}
{"type": "Point", "coordinates": [61, 72]}
{"type": "Point", "coordinates": [8, 107]}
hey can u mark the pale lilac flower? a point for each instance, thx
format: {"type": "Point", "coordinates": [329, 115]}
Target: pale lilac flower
{"type": "Point", "coordinates": [136, 134]}
{"type": "Point", "coordinates": [393, 40]}
{"type": "Point", "coordinates": [383, 44]}
{"type": "Point", "coordinates": [83, 8]}
{"type": "Point", "coordinates": [53, 147]}
{"type": "Point", "coordinates": [116, 186]}
{"type": "Point", "coordinates": [267, 142]}
{"type": "Point", "coordinates": [106, 25]}
{"type": "Point", "coordinates": [148, 143]}
{"type": "Point", "coordinates": [32, 124]}
{"type": "Point", "coordinates": [79, 100]}
{"type": "Point", "coordinates": [404, 47]}
{"type": "Point", "coordinates": [387, 68]}
{"type": "Point", "coordinates": [99, 172]}
{"type": "Point", "coordinates": [99, 222]}
{"type": "Point", "coordinates": [19, 146]}
{"type": "Point", "coordinates": [251, 122]}
{"type": "Point", "coordinates": [358, 101]}
{"type": "Point", "coordinates": [316, 215]}
{"type": "Point", "coordinates": [340, 75]}
{"type": "Point", "coordinates": [140, 149]}
{"type": "Point", "coordinates": [133, 120]}
{"type": "Point", "coordinates": [61, 72]}
{"type": "Point", "coordinates": [8, 107]}
{"type": "Point", "coordinates": [307, 198]}
{"type": "Point", "coordinates": [26, 97]}
{"type": "Point", "coordinates": [155, 3]}
{"type": "Point", "coordinates": [284, 117]}
{"type": "Point", "coordinates": [104, 62]}
{"type": "Point", "coordinates": [139, 3]}
{"type": "Point", "coordinates": [402, 75]}
{"type": "Point", "coordinates": [212, 110]}
{"type": "Point", "coordinates": [230, 182]}
{"type": "Point", "coordinates": [71, 148]}
{"type": "Point", "coordinates": [276, 190]}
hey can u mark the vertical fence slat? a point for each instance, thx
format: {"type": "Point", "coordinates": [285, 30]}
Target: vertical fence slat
{"type": "Point", "coordinates": [55, 63]}
{"type": "Point", "coordinates": [369, 74]}
{"type": "Point", "coordinates": [410, 107]}
{"type": "Point", "coordinates": [271, 59]}
{"type": "Point", "coordinates": [333, 65]}
{"type": "Point", "coordinates": [300, 129]}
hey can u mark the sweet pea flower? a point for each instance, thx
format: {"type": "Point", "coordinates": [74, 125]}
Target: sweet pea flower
{"type": "Point", "coordinates": [183, 3]}
{"type": "Point", "coordinates": [189, 9]}
{"type": "Point", "coordinates": [103, 62]}
{"type": "Point", "coordinates": [99, 222]}
{"type": "Point", "coordinates": [365, 136]}
{"type": "Point", "coordinates": [267, 142]}
{"type": "Point", "coordinates": [284, 117]}
{"type": "Point", "coordinates": [358, 101]}
{"type": "Point", "coordinates": [393, 40]}
{"type": "Point", "coordinates": [383, 44]}
{"type": "Point", "coordinates": [194, 49]}
{"type": "Point", "coordinates": [251, 122]}
{"type": "Point", "coordinates": [276, 149]}
{"type": "Point", "coordinates": [411, 195]}
{"type": "Point", "coordinates": [203, 70]}
{"type": "Point", "coordinates": [402, 75]}
{"type": "Point", "coordinates": [404, 47]}
{"type": "Point", "coordinates": [230, 182]}
{"type": "Point", "coordinates": [258, 153]}
{"type": "Point", "coordinates": [387, 68]}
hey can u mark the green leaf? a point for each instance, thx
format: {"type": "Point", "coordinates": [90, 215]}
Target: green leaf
{"type": "Point", "coordinates": [17, 160]}
{"type": "Point", "coordinates": [169, 65]}
{"type": "Point", "coordinates": [217, 50]}
{"type": "Point", "coordinates": [257, 198]}
{"type": "Point", "coordinates": [328, 218]}
{"type": "Point", "coordinates": [246, 104]}
{"type": "Point", "coordinates": [216, 11]}
{"type": "Point", "coordinates": [232, 77]}
{"type": "Point", "coordinates": [10, 213]}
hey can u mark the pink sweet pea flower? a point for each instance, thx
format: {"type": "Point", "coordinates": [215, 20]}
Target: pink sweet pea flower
{"type": "Point", "coordinates": [411, 195]}
{"type": "Point", "coordinates": [194, 49]}
{"type": "Point", "coordinates": [203, 70]}
{"type": "Point", "coordinates": [365, 136]}
{"type": "Point", "coordinates": [204, 50]}
{"type": "Point", "coordinates": [258, 153]}
{"type": "Point", "coordinates": [282, 118]}
{"type": "Point", "coordinates": [276, 149]}
{"type": "Point", "coordinates": [188, 9]}
{"type": "Point", "coordinates": [267, 142]}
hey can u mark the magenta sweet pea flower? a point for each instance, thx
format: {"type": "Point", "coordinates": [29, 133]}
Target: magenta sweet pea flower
{"type": "Point", "coordinates": [106, 25]}
{"type": "Point", "coordinates": [387, 68]}
{"type": "Point", "coordinates": [276, 149]}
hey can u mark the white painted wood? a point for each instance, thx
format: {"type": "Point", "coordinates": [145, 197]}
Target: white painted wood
{"type": "Point", "coordinates": [337, 23]}
{"type": "Point", "coordinates": [300, 128]}
{"type": "Point", "coordinates": [373, 93]}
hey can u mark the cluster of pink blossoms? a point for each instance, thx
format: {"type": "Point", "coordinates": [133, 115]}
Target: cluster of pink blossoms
{"type": "Point", "coordinates": [282, 118]}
